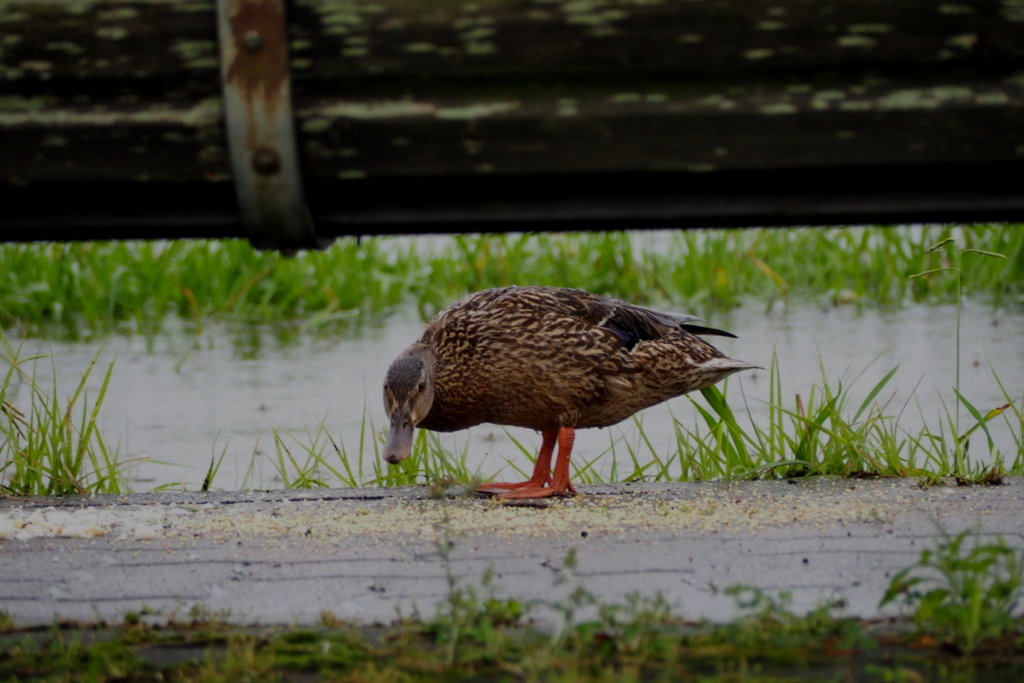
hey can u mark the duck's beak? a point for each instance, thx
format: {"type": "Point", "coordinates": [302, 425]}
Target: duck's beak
{"type": "Point", "coordinates": [399, 443]}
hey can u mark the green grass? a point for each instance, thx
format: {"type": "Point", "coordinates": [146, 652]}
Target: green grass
{"type": "Point", "coordinates": [76, 289]}
{"type": "Point", "coordinates": [83, 288]}
{"type": "Point", "coordinates": [831, 433]}
{"type": "Point", "coordinates": [50, 444]}
{"type": "Point", "coordinates": [316, 459]}
{"type": "Point", "coordinates": [974, 594]}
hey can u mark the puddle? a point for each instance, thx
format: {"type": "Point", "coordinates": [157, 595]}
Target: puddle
{"type": "Point", "coordinates": [241, 382]}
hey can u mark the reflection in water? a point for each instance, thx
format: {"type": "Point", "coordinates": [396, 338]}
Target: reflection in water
{"type": "Point", "coordinates": [237, 383]}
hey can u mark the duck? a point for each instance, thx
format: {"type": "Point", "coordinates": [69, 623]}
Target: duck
{"type": "Point", "coordinates": [549, 359]}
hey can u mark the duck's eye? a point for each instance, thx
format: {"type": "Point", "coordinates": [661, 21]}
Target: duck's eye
{"type": "Point", "coordinates": [423, 385]}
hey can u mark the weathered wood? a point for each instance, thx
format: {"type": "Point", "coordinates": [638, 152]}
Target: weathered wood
{"type": "Point", "coordinates": [515, 113]}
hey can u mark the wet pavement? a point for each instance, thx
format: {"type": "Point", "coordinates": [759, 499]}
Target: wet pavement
{"type": "Point", "coordinates": [370, 555]}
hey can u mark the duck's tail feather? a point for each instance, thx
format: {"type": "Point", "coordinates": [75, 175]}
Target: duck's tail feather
{"type": "Point", "coordinates": [723, 366]}
{"type": "Point", "coordinates": [710, 331]}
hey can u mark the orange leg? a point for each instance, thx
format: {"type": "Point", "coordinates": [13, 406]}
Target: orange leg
{"type": "Point", "coordinates": [561, 484]}
{"type": "Point", "coordinates": [541, 470]}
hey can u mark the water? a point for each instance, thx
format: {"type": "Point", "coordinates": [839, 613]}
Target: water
{"type": "Point", "coordinates": [173, 407]}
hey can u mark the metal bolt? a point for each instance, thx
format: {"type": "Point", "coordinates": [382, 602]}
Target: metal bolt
{"type": "Point", "coordinates": [266, 161]}
{"type": "Point", "coordinates": [252, 40]}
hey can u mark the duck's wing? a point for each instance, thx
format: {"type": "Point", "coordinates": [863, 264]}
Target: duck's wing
{"type": "Point", "coordinates": [678, 320]}
{"type": "Point", "coordinates": [633, 324]}
{"type": "Point", "coordinates": [629, 322]}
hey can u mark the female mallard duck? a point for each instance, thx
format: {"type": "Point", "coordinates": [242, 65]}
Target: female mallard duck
{"type": "Point", "coordinates": [551, 359]}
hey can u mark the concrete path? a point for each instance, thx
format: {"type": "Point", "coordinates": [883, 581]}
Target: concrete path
{"type": "Point", "coordinates": [367, 555]}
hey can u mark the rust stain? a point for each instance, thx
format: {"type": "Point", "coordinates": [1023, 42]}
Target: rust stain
{"type": "Point", "coordinates": [259, 73]}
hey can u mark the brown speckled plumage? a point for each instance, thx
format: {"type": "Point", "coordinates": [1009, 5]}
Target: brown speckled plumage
{"type": "Point", "coordinates": [548, 359]}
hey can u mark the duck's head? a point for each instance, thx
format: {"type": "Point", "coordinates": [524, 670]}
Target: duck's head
{"type": "Point", "coordinates": [408, 395]}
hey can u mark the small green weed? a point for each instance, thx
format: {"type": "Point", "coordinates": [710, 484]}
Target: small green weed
{"type": "Point", "coordinates": [211, 471]}
{"type": "Point", "coordinates": [296, 475]}
{"type": "Point", "coordinates": [53, 446]}
{"type": "Point", "coordinates": [201, 615]}
{"type": "Point", "coordinates": [468, 625]}
{"type": "Point", "coordinates": [313, 467]}
{"type": "Point", "coordinates": [430, 462]}
{"type": "Point", "coordinates": [963, 590]}
{"type": "Point", "coordinates": [575, 597]}
{"type": "Point", "coordinates": [134, 617]}
{"type": "Point", "coordinates": [955, 265]}
{"type": "Point", "coordinates": [767, 621]}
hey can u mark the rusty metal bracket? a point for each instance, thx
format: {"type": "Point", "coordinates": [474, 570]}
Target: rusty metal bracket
{"type": "Point", "coordinates": [256, 82]}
